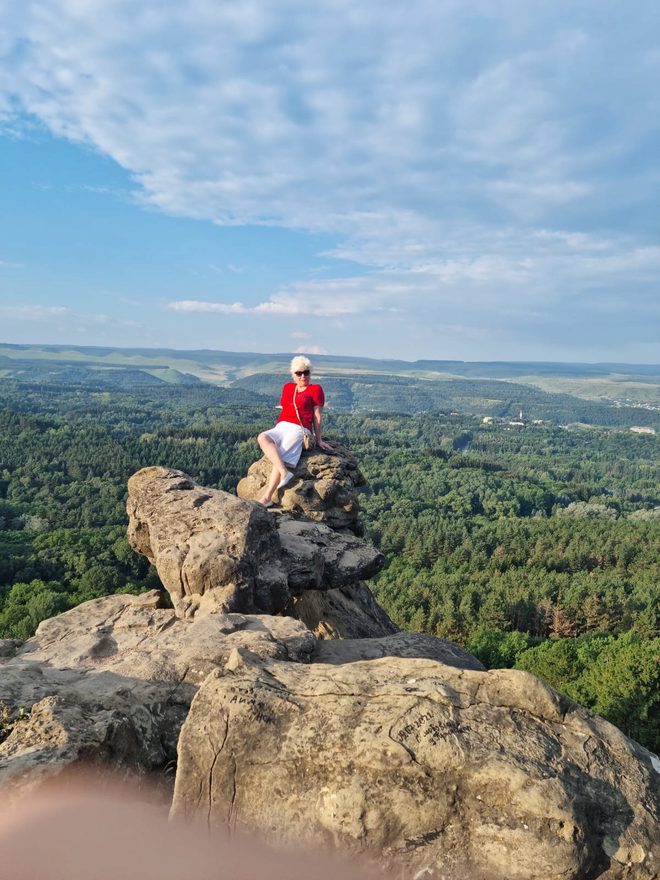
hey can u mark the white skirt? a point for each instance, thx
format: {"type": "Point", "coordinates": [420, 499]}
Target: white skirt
{"type": "Point", "coordinates": [289, 441]}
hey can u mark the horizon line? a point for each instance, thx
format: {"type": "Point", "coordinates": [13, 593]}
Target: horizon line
{"type": "Point", "coordinates": [318, 357]}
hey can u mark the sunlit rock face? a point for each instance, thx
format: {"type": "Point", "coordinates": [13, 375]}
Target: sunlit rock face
{"type": "Point", "coordinates": [110, 683]}
{"type": "Point", "coordinates": [423, 768]}
{"type": "Point", "coordinates": [214, 551]}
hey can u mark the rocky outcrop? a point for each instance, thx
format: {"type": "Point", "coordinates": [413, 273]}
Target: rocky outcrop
{"type": "Point", "coordinates": [317, 722]}
{"type": "Point", "coordinates": [324, 489]}
{"type": "Point", "coordinates": [110, 682]}
{"type": "Point", "coordinates": [422, 767]}
{"type": "Point", "coordinates": [215, 552]}
{"type": "Point", "coordinates": [203, 542]}
{"type": "Point", "coordinates": [315, 557]}
{"type": "Point", "coordinates": [63, 730]}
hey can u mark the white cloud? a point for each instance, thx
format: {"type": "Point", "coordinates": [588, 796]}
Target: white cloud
{"type": "Point", "coordinates": [236, 308]}
{"type": "Point", "coordinates": [310, 349]}
{"type": "Point", "coordinates": [328, 299]}
{"type": "Point", "coordinates": [521, 282]}
{"type": "Point", "coordinates": [259, 113]}
{"type": "Point", "coordinates": [34, 312]}
{"type": "Point", "coordinates": [471, 158]}
{"type": "Point", "coordinates": [47, 314]}
{"type": "Point", "coordinates": [306, 345]}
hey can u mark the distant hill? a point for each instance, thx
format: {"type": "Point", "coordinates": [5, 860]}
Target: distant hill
{"type": "Point", "coordinates": [88, 373]}
{"type": "Point", "coordinates": [606, 393]}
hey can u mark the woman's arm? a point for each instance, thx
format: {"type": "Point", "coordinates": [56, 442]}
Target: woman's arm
{"type": "Point", "coordinates": [318, 423]}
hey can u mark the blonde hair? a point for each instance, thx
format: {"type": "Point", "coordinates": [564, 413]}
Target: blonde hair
{"type": "Point", "coordinates": [300, 362]}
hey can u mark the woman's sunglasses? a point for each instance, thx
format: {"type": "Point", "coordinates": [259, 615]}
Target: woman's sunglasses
{"type": "Point", "coordinates": [301, 373]}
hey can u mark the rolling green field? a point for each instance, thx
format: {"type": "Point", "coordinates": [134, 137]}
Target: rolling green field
{"type": "Point", "coordinates": [613, 387]}
{"type": "Point", "coordinates": [592, 394]}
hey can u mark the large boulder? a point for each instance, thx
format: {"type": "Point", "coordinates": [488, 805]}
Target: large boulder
{"type": "Point", "coordinates": [324, 489]}
{"type": "Point", "coordinates": [215, 552]}
{"type": "Point", "coordinates": [422, 767]}
{"type": "Point", "coordinates": [110, 682]}
{"type": "Point", "coordinates": [202, 540]}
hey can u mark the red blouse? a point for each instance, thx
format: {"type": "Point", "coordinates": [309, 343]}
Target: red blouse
{"type": "Point", "coordinates": [305, 401]}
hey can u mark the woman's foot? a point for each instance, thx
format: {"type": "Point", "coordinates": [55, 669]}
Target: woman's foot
{"type": "Point", "coordinates": [264, 502]}
{"type": "Point", "coordinates": [286, 479]}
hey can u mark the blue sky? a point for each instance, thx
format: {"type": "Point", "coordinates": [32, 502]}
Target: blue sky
{"type": "Point", "coordinates": [474, 180]}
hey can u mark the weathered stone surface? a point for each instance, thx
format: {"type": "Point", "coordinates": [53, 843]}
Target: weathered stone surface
{"type": "Point", "coordinates": [77, 716]}
{"type": "Point", "coordinates": [214, 552]}
{"type": "Point", "coordinates": [60, 732]}
{"type": "Point", "coordinates": [204, 540]}
{"type": "Point", "coordinates": [134, 636]}
{"type": "Point", "coordinates": [316, 557]}
{"type": "Point", "coordinates": [432, 770]}
{"type": "Point", "coordinates": [347, 613]}
{"type": "Point", "coordinates": [401, 644]}
{"type": "Point", "coordinates": [325, 488]}
{"type": "Point", "coordinates": [111, 682]}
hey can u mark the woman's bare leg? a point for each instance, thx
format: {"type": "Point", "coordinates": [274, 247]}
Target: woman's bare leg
{"type": "Point", "coordinates": [279, 470]}
{"type": "Point", "coordinates": [271, 485]}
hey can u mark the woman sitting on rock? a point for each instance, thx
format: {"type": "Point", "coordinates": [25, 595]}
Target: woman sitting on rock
{"type": "Point", "coordinates": [302, 411]}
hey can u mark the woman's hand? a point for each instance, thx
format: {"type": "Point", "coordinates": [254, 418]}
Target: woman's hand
{"type": "Point", "coordinates": [325, 446]}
